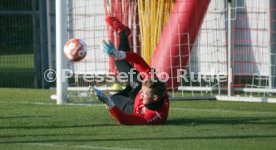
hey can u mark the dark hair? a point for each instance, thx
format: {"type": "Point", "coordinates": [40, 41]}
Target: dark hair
{"type": "Point", "coordinates": [158, 87]}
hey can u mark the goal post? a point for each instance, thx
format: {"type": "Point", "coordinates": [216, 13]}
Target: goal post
{"type": "Point", "coordinates": [229, 64]}
{"type": "Point", "coordinates": [61, 34]}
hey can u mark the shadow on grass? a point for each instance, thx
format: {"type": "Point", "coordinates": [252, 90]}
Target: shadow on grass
{"type": "Point", "coordinates": [235, 137]}
{"type": "Point", "coordinates": [57, 126]}
{"type": "Point", "coordinates": [24, 117]}
{"type": "Point", "coordinates": [223, 121]}
{"type": "Point", "coordinates": [170, 122]}
{"type": "Point", "coordinates": [43, 135]}
{"type": "Point", "coordinates": [86, 137]}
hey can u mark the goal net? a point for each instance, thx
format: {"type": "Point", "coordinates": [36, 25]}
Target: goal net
{"type": "Point", "coordinates": [234, 51]}
{"type": "Point", "coordinates": [221, 49]}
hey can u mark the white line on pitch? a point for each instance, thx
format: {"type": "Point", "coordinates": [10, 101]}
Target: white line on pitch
{"type": "Point", "coordinates": [222, 110]}
{"type": "Point", "coordinates": [51, 104]}
{"type": "Point", "coordinates": [108, 148]}
{"type": "Point", "coordinates": [80, 146]}
{"type": "Point", "coordinates": [43, 144]}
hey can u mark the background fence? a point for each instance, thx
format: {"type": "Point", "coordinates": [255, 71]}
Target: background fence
{"type": "Point", "coordinates": [23, 43]}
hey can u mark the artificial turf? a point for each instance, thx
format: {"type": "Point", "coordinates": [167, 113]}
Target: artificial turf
{"type": "Point", "coordinates": [30, 120]}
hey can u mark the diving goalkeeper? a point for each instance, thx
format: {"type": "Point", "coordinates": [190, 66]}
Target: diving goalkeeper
{"type": "Point", "coordinates": [141, 102]}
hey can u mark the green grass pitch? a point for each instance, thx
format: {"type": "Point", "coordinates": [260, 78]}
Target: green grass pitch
{"type": "Point", "coordinates": [30, 120]}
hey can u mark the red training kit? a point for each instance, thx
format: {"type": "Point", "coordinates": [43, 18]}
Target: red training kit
{"type": "Point", "coordinates": [141, 115]}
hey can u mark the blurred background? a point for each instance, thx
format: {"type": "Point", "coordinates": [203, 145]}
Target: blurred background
{"type": "Point", "coordinates": [27, 42]}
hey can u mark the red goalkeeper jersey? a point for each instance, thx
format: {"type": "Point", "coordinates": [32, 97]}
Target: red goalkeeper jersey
{"type": "Point", "coordinates": [141, 115]}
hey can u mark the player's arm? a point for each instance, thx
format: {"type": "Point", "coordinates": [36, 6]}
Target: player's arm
{"type": "Point", "coordinates": [134, 58]}
{"type": "Point", "coordinates": [131, 119]}
{"type": "Point", "coordinates": [138, 61]}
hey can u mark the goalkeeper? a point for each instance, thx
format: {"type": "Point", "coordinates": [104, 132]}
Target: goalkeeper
{"type": "Point", "coordinates": [140, 103]}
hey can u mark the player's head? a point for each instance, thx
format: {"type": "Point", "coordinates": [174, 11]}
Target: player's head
{"type": "Point", "coordinates": [153, 91]}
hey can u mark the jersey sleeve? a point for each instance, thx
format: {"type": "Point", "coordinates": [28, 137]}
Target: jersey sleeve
{"type": "Point", "coordinates": [138, 61]}
{"type": "Point", "coordinates": [132, 119]}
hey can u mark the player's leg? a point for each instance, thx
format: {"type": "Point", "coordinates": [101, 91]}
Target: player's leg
{"type": "Point", "coordinates": [124, 44]}
{"type": "Point", "coordinates": [117, 25]}
{"type": "Point", "coordinates": [124, 100]}
{"type": "Point", "coordinates": [122, 65]}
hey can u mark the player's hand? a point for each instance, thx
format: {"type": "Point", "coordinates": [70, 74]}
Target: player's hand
{"type": "Point", "coordinates": [102, 97]}
{"type": "Point", "coordinates": [107, 47]}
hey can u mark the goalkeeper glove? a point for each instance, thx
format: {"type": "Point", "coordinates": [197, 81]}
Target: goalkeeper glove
{"type": "Point", "coordinates": [102, 97]}
{"type": "Point", "coordinates": [109, 48]}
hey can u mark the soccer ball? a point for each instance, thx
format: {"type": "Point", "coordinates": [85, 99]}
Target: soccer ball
{"type": "Point", "coordinates": [75, 49]}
